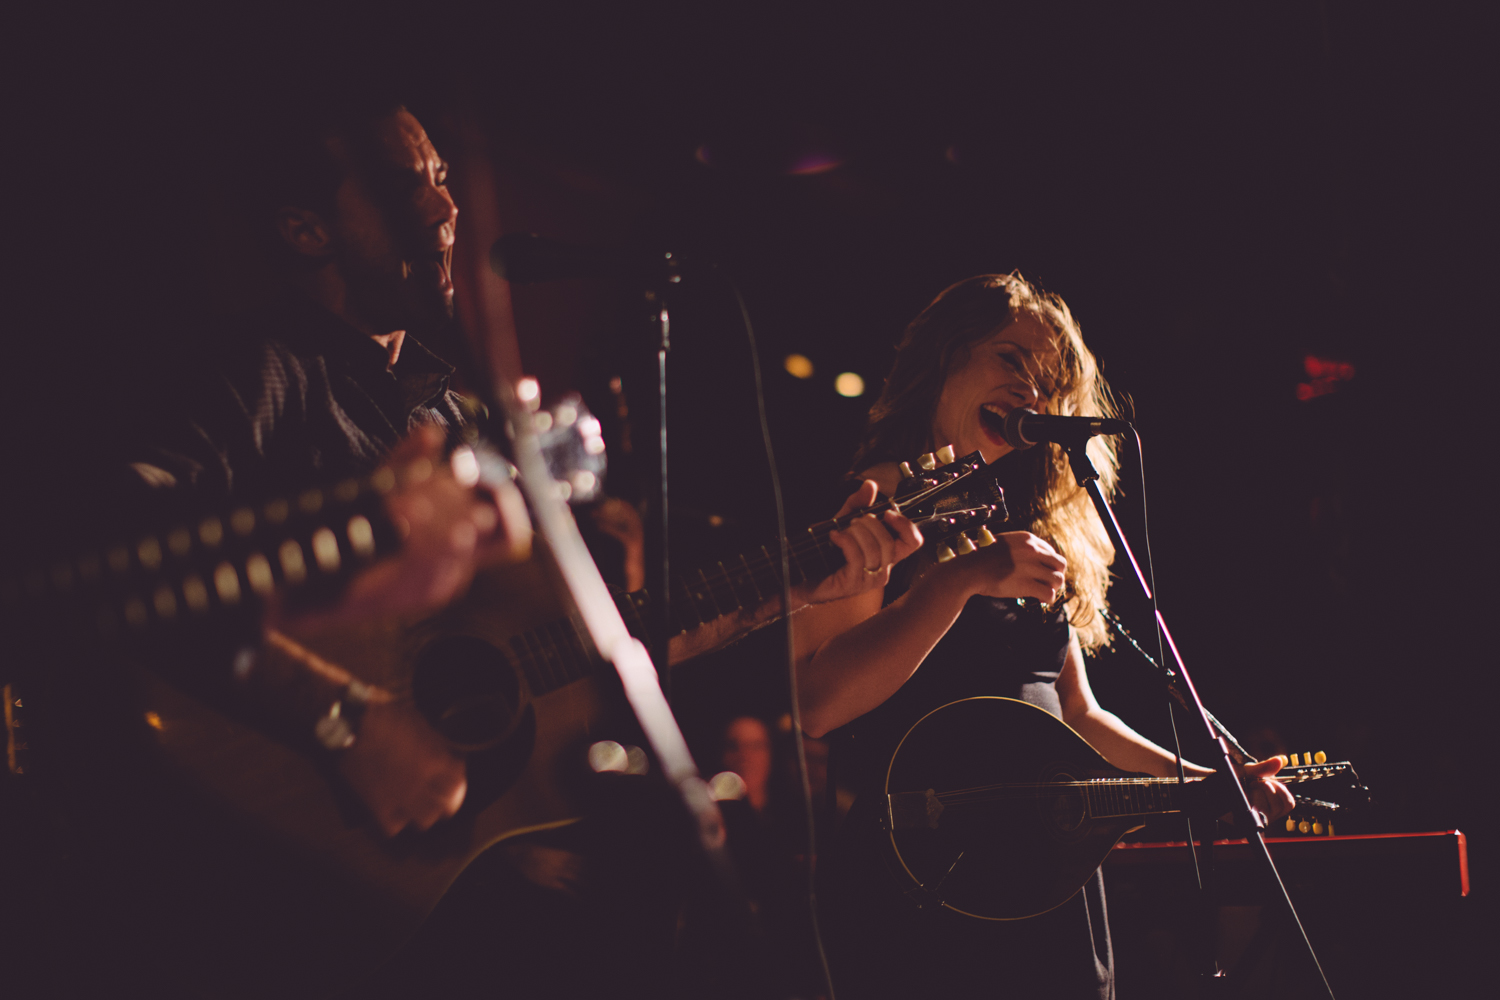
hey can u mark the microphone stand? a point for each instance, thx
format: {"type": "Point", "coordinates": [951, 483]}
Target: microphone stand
{"type": "Point", "coordinates": [1245, 816]}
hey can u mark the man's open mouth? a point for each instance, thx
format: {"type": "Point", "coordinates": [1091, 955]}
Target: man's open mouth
{"type": "Point", "coordinates": [436, 266]}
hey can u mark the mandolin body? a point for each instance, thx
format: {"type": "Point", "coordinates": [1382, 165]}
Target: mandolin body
{"type": "Point", "coordinates": [1010, 855]}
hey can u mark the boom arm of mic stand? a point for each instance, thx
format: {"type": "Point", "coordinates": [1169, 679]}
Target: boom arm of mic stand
{"type": "Point", "coordinates": [1087, 476]}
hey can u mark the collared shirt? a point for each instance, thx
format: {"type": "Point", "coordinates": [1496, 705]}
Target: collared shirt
{"type": "Point", "coordinates": [304, 398]}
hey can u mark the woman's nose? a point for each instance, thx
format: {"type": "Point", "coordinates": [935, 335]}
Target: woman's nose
{"type": "Point", "coordinates": [1025, 393]}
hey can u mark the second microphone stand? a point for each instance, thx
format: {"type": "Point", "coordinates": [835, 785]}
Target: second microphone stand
{"type": "Point", "coordinates": [1245, 816]}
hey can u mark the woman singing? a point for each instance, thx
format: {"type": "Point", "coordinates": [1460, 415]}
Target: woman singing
{"type": "Point", "coordinates": [872, 665]}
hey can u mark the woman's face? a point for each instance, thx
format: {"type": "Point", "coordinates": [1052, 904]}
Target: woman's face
{"type": "Point", "coordinates": [1012, 367]}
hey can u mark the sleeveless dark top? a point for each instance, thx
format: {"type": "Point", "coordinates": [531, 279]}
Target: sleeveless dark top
{"type": "Point", "coordinates": [880, 945]}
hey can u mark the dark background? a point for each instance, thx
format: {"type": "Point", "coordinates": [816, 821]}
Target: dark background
{"type": "Point", "coordinates": [1218, 194]}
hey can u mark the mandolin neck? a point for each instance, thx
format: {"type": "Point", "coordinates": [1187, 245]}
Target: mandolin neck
{"type": "Point", "coordinates": [747, 582]}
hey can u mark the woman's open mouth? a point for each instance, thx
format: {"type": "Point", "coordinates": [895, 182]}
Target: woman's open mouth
{"type": "Point", "coordinates": [992, 419]}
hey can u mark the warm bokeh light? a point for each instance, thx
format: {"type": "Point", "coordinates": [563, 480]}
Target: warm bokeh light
{"type": "Point", "coordinates": [798, 365]}
{"type": "Point", "coordinates": [815, 163]}
{"type": "Point", "coordinates": [1326, 375]}
{"type": "Point", "coordinates": [726, 785]}
{"type": "Point", "coordinates": [849, 384]}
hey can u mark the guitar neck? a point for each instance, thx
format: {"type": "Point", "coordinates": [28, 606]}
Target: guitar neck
{"type": "Point", "coordinates": [747, 582]}
{"type": "Point", "coordinates": [554, 655]}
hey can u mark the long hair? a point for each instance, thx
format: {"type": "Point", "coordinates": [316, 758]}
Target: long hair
{"type": "Point", "coordinates": [938, 342]}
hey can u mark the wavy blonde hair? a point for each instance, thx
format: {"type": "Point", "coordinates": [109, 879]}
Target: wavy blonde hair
{"type": "Point", "coordinates": [936, 343]}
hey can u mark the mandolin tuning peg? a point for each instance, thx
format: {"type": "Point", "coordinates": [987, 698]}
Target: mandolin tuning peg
{"type": "Point", "coordinates": [944, 554]}
{"type": "Point", "coordinates": [1291, 825]}
{"type": "Point", "coordinates": [1304, 827]}
{"type": "Point", "coordinates": [1317, 828]}
{"type": "Point", "coordinates": [1320, 758]}
{"type": "Point", "coordinates": [964, 546]}
{"type": "Point", "coordinates": [1293, 759]}
{"type": "Point", "coordinates": [928, 461]}
{"type": "Point", "coordinates": [985, 538]}
{"type": "Point", "coordinates": [906, 472]}
{"type": "Point", "coordinates": [1330, 828]}
{"type": "Point", "coordinates": [945, 455]}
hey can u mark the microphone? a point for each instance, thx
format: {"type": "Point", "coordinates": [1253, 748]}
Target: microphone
{"type": "Point", "coordinates": [1025, 427]}
{"type": "Point", "coordinates": [526, 259]}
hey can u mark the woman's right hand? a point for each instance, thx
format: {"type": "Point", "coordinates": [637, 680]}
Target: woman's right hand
{"type": "Point", "coordinates": [1018, 564]}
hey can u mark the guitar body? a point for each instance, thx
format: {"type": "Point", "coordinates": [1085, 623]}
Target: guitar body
{"type": "Point", "coordinates": [521, 783]}
{"type": "Point", "coordinates": [1010, 856]}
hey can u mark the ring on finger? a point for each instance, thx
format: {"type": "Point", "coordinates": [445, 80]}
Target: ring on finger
{"type": "Point", "coordinates": [873, 572]}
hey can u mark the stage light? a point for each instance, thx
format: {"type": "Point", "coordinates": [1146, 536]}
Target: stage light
{"type": "Point", "coordinates": [849, 384]}
{"type": "Point", "coordinates": [798, 365]}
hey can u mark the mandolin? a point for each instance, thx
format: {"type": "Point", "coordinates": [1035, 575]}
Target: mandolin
{"type": "Point", "coordinates": [996, 809]}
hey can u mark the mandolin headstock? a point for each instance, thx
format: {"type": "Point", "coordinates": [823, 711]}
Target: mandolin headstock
{"type": "Point", "coordinates": [952, 499]}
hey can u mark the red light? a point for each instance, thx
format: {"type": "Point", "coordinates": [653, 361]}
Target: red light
{"type": "Point", "coordinates": [1326, 375]}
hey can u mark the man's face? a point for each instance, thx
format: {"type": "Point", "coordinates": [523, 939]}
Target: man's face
{"type": "Point", "coordinates": [394, 225]}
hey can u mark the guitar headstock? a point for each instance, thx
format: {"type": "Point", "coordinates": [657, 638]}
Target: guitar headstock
{"type": "Point", "coordinates": [1314, 816]}
{"type": "Point", "coordinates": [952, 499]}
{"type": "Point", "coordinates": [572, 442]}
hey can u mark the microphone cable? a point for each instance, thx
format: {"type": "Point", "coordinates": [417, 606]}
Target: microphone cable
{"type": "Point", "coordinates": [791, 650]}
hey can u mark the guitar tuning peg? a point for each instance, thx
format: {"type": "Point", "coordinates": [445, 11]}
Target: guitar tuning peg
{"type": "Point", "coordinates": [985, 538]}
{"type": "Point", "coordinates": [944, 554]}
{"type": "Point", "coordinates": [928, 461]}
{"type": "Point", "coordinates": [1320, 758]}
{"type": "Point", "coordinates": [945, 455]}
{"type": "Point", "coordinates": [906, 472]}
{"type": "Point", "coordinates": [1291, 825]}
{"type": "Point", "coordinates": [964, 545]}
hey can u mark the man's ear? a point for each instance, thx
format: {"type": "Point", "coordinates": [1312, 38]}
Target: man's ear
{"type": "Point", "coordinates": [304, 231]}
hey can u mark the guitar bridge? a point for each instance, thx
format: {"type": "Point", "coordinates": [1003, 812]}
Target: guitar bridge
{"type": "Point", "coordinates": [914, 810]}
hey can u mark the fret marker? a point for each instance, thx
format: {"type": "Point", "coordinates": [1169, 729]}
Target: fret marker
{"type": "Point", "coordinates": [149, 552]}
{"type": "Point", "coordinates": [227, 583]}
{"type": "Point", "coordinates": [293, 566]}
{"type": "Point", "coordinates": [326, 550]}
{"type": "Point", "coordinates": [258, 572]}
{"type": "Point", "coordinates": [195, 594]}
{"type": "Point", "coordinates": [180, 541]}
{"type": "Point", "coordinates": [118, 559]}
{"type": "Point", "coordinates": [361, 536]}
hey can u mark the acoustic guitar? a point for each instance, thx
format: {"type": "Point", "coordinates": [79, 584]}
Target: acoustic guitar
{"type": "Point", "coordinates": [507, 681]}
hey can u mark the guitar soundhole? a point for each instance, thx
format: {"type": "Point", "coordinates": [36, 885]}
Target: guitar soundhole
{"type": "Point", "coordinates": [467, 690]}
{"type": "Point", "coordinates": [1063, 810]}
